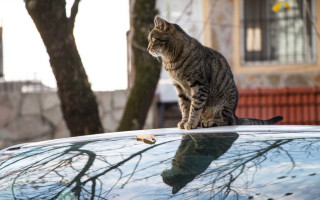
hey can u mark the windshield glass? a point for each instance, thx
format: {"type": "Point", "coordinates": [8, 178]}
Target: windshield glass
{"type": "Point", "coordinates": [190, 166]}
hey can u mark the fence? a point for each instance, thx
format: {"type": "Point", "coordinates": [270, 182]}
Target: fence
{"type": "Point", "coordinates": [296, 105]}
{"type": "Point", "coordinates": [24, 86]}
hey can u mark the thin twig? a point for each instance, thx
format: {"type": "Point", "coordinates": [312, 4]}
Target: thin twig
{"type": "Point", "coordinates": [184, 11]}
{"type": "Point", "coordinates": [74, 12]}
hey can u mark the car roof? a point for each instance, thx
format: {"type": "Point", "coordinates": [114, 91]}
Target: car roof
{"type": "Point", "coordinates": [236, 162]}
{"type": "Point", "coordinates": [245, 129]}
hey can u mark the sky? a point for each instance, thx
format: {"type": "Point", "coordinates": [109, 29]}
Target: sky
{"type": "Point", "coordinates": [100, 32]}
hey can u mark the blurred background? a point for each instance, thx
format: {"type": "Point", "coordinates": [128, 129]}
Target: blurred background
{"type": "Point", "coordinates": [271, 46]}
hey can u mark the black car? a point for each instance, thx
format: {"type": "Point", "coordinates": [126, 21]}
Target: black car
{"type": "Point", "coordinates": [236, 162]}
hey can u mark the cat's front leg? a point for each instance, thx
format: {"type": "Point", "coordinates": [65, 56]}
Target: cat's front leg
{"type": "Point", "coordinates": [199, 98]}
{"type": "Point", "coordinates": [184, 104]}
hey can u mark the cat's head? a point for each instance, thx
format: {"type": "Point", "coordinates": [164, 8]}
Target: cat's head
{"type": "Point", "coordinates": [163, 36]}
{"type": "Point", "coordinates": [176, 179]}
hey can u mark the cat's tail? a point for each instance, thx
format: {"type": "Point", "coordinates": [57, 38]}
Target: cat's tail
{"type": "Point", "coordinates": [251, 121]}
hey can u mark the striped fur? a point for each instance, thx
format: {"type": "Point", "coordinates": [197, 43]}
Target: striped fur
{"type": "Point", "coordinates": [202, 77]}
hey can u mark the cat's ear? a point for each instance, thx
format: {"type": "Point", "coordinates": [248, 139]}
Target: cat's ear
{"type": "Point", "coordinates": [161, 23]}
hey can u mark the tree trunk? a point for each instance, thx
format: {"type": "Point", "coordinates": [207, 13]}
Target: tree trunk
{"type": "Point", "coordinates": [147, 69]}
{"type": "Point", "coordinates": [78, 103]}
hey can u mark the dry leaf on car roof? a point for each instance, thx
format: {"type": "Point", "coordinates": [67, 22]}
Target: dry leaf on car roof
{"type": "Point", "coordinates": [146, 138]}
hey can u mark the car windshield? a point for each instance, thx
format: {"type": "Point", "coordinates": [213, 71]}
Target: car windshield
{"type": "Point", "coordinates": [189, 166]}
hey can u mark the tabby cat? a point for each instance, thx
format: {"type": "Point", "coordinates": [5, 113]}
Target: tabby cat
{"type": "Point", "coordinates": [202, 77]}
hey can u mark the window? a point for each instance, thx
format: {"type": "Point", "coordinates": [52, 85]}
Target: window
{"type": "Point", "coordinates": [278, 31]}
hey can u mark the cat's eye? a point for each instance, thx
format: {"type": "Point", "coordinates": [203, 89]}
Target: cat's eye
{"type": "Point", "coordinates": [157, 40]}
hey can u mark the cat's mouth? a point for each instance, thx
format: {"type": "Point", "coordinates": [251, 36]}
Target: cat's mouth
{"type": "Point", "coordinates": [154, 53]}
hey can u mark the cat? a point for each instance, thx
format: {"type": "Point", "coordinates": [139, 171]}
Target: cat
{"type": "Point", "coordinates": [202, 77]}
{"type": "Point", "coordinates": [194, 156]}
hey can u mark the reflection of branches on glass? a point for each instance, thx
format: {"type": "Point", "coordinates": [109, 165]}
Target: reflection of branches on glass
{"type": "Point", "coordinates": [210, 166]}
{"type": "Point", "coordinates": [71, 171]}
{"type": "Point", "coordinates": [232, 171]}
{"type": "Point", "coordinates": [240, 163]}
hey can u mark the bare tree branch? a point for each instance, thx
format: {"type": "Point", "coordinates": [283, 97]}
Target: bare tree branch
{"type": "Point", "coordinates": [74, 12]}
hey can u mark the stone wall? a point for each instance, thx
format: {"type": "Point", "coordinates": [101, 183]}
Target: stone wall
{"type": "Point", "coordinates": [26, 117]}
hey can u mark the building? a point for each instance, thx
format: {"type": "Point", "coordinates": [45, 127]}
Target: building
{"type": "Point", "coordinates": [271, 47]}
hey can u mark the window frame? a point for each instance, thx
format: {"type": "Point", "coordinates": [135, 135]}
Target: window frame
{"type": "Point", "coordinates": [242, 41]}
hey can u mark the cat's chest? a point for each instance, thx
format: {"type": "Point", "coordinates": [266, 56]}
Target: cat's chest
{"type": "Point", "coordinates": [181, 80]}
{"type": "Point", "coordinates": [176, 76]}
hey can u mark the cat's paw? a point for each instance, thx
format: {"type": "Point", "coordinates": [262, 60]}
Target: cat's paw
{"type": "Point", "coordinates": [208, 123]}
{"type": "Point", "coordinates": [181, 124]}
{"type": "Point", "coordinates": [190, 125]}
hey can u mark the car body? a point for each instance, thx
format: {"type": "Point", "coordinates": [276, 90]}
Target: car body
{"type": "Point", "coordinates": [233, 162]}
